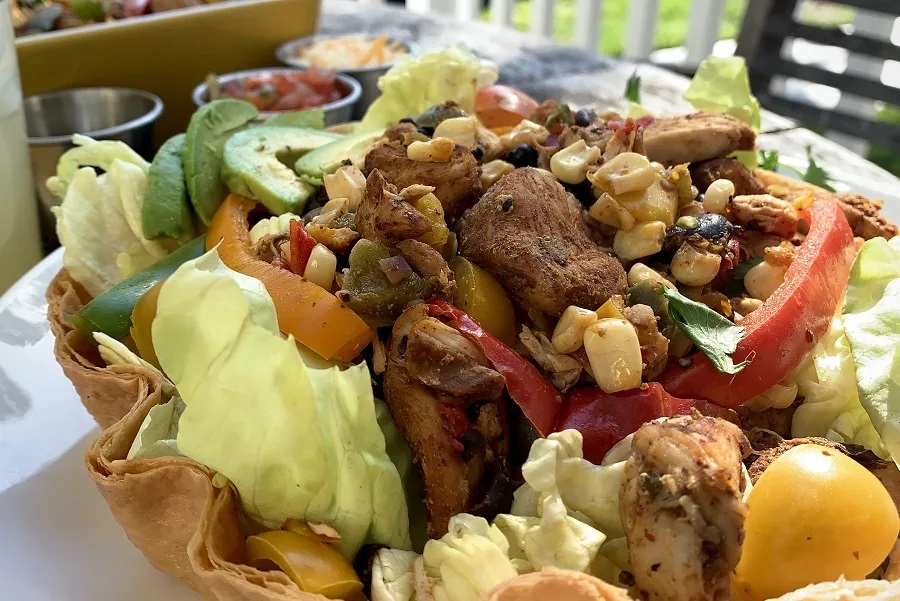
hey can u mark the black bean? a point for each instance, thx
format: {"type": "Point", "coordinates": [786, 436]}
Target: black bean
{"type": "Point", "coordinates": [522, 155]}
{"type": "Point", "coordinates": [585, 117]}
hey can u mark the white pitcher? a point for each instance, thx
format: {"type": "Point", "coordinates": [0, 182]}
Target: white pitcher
{"type": "Point", "coordinates": [20, 244]}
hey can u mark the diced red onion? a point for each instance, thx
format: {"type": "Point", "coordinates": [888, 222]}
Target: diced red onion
{"type": "Point", "coordinates": [395, 268]}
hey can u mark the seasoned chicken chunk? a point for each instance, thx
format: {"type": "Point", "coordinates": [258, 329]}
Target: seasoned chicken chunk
{"type": "Point", "coordinates": [456, 182]}
{"type": "Point", "coordinates": [444, 398]}
{"type": "Point", "coordinates": [766, 213]}
{"type": "Point", "coordinates": [385, 216]}
{"type": "Point", "coordinates": [705, 173]}
{"type": "Point", "coordinates": [681, 507]}
{"type": "Point", "coordinates": [696, 137]}
{"type": "Point", "coordinates": [864, 215]}
{"type": "Point", "coordinates": [531, 235]}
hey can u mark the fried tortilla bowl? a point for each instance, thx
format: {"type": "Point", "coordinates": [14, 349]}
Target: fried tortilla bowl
{"type": "Point", "coordinates": [187, 527]}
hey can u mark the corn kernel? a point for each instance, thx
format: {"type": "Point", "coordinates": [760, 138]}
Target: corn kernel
{"type": "Point", "coordinates": [612, 308]}
{"type": "Point", "coordinates": [493, 171]}
{"type": "Point", "coordinates": [570, 165]}
{"type": "Point", "coordinates": [643, 240]}
{"type": "Point", "coordinates": [321, 266]}
{"type": "Point", "coordinates": [694, 267]}
{"type": "Point", "coordinates": [431, 207]}
{"type": "Point", "coordinates": [347, 182]}
{"type": "Point", "coordinates": [459, 129]}
{"type": "Point", "coordinates": [641, 273]}
{"type": "Point", "coordinates": [717, 196]}
{"type": "Point", "coordinates": [614, 353]}
{"type": "Point", "coordinates": [609, 212]}
{"type": "Point", "coordinates": [626, 172]}
{"type": "Point", "coordinates": [651, 204]}
{"type": "Point", "coordinates": [568, 335]}
{"type": "Point", "coordinates": [764, 279]}
{"type": "Point", "coordinates": [526, 132]}
{"type": "Point", "coordinates": [438, 150]}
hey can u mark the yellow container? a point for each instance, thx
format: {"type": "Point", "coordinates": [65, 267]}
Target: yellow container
{"type": "Point", "coordinates": [167, 53]}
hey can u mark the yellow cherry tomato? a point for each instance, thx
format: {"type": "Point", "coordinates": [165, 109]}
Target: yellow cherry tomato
{"type": "Point", "coordinates": [483, 299]}
{"type": "Point", "coordinates": [814, 515]}
{"type": "Point", "coordinates": [315, 566]}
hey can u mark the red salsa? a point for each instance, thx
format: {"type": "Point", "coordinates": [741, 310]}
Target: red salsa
{"type": "Point", "coordinates": [287, 91]}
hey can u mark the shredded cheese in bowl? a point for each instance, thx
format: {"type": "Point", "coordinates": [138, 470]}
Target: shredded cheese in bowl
{"type": "Point", "coordinates": [351, 52]}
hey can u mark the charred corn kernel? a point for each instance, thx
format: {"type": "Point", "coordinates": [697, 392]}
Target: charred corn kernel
{"type": "Point", "coordinates": [331, 210]}
{"type": "Point", "coordinates": [493, 171]}
{"type": "Point", "coordinates": [612, 308]}
{"type": "Point", "coordinates": [643, 240]}
{"type": "Point", "coordinates": [626, 172]}
{"type": "Point", "coordinates": [437, 150]}
{"type": "Point", "coordinates": [459, 129]}
{"type": "Point", "coordinates": [658, 167]}
{"type": "Point", "coordinates": [764, 279]}
{"type": "Point", "coordinates": [641, 273]}
{"type": "Point", "coordinates": [321, 266]}
{"type": "Point", "coordinates": [745, 306]}
{"type": "Point", "coordinates": [570, 165]}
{"type": "Point", "coordinates": [651, 204]}
{"type": "Point", "coordinates": [614, 352]}
{"type": "Point", "coordinates": [431, 207]}
{"type": "Point", "coordinates": [717, 196]}
{"type": "Point", "coordinates": [525, 132]}
{"type": "Point", "coordinates": [272, 226]}
{"type": "Point", "coordinates": [694, 267]}
{"type": "Point", "coordinates": [347, 182]}
{"type": "Point", "coordinates": [568, 335]}
{"type": "Point", "coordinates": [609, 212]}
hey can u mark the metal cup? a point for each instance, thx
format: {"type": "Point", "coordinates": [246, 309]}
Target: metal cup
{"type": "Point", "coordinates": [100, 113]}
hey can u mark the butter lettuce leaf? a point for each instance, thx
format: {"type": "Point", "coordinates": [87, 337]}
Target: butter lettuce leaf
{"type": "Point", "coordinates": [872, 322]}
{"type": "Point", "coordinates": [157, 436]}
{"type": "Point", "coordinates": [832, 408]}
{"type": "Point", "coordinates": [99, 219]}
{"type": "Point", "coordinates": [722, 85]}
{"type": "Point", "coordinates": [297, 440]}
{"type": "Point", "coordinates": [416, 83]}
{"type": "Point", "coordinates": [392, 575]}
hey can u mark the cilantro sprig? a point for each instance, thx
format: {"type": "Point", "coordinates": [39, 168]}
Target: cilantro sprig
{"type": "Point", "coordinates": [714, 335]}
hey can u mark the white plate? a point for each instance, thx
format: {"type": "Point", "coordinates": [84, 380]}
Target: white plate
{"type": "Point", "coordinates": [59, 540]}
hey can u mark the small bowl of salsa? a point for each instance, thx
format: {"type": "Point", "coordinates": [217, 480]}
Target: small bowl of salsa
{"type": "Point", "coordinates": [276, 90]}
{"type": "Point", "coordinates": [363, 56]}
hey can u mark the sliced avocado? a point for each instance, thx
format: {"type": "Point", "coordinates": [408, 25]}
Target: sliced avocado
{"type": "Point", "coordinates": [256, 165]}
{"type": "Point", "coordinates": [308, 118]}
{"type": "Point", "coordinates": [313, 166]}
{"type": "Point", "coordinates": [167, 212]}
{"type": "Point", "coordinates": [210, 127]}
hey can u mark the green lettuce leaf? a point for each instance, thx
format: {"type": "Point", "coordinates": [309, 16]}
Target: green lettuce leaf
{"type": "Point", "coordinates": [416, 83]}
{"type": "Point", "coordinates": [831, 408]}
{"type": "Point", "coordinates": [872, 322]}
{"type": "Point", "coordinates": [157, 436]}
{"type": "Point", "coordinates": [99, 219]}
{"type": "Point", "coordinates": [722, 85]}
{"type": "Point", "coordinates": [560, 518]}
{"type": "Point", "coordinates": [297, 440]}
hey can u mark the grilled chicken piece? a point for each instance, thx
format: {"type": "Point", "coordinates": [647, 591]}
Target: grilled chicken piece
{"type": "Point", "coordinates": [384, 216]}
{"type": "Point", "coordinates": [432, 380]}
{"type": "Point", "coordinates": [429, 264]}
{"type": "Point", "coordinates": [530, 233]}
{"type": "Point", "coordinates": [681, 507]}
{"type": "Point", "coordinates": [563, 370]}
{"type": "Point", "coordinates": [593, 135]}
{"type": "Point", "coordinates": [864, 215]}
{"type": "Point", "coordinates": [654, 346]}
{"type": "Point", "coordinates": [696, 137]}
{"type": "Point", "coordinates": [705, 173]}
{"type": "Point", "coordinates": [490, 144]}
{"type": "Point", "coordinates": [766, 213]}
{"type": "Point", "coordinates": [456, 182]}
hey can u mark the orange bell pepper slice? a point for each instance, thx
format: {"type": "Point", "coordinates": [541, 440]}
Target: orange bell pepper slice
{"type": "Point", "coordinates": [312, 315]}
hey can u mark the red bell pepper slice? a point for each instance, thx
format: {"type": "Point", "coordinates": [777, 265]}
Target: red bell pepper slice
{"type": "Point", "coordinates": [785, 329]}
{"type": "Point", "coordinates": [538, 399]}
{"type": "Point", "coordinates": [603, 419]}
{"type": "Point", "coordinates": [302, 245]}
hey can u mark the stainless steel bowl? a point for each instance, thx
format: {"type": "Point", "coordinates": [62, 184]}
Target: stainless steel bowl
{"type": "Point", "coordinates": [368, 77]}
{"type": "Point", "coordinates": [101, 113]}
{"type": "Point", "coordinates": [338, 111]}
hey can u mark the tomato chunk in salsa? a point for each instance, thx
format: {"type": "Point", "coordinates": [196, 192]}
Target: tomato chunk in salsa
{"type": "Point", "coordinates": [287, 91]}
